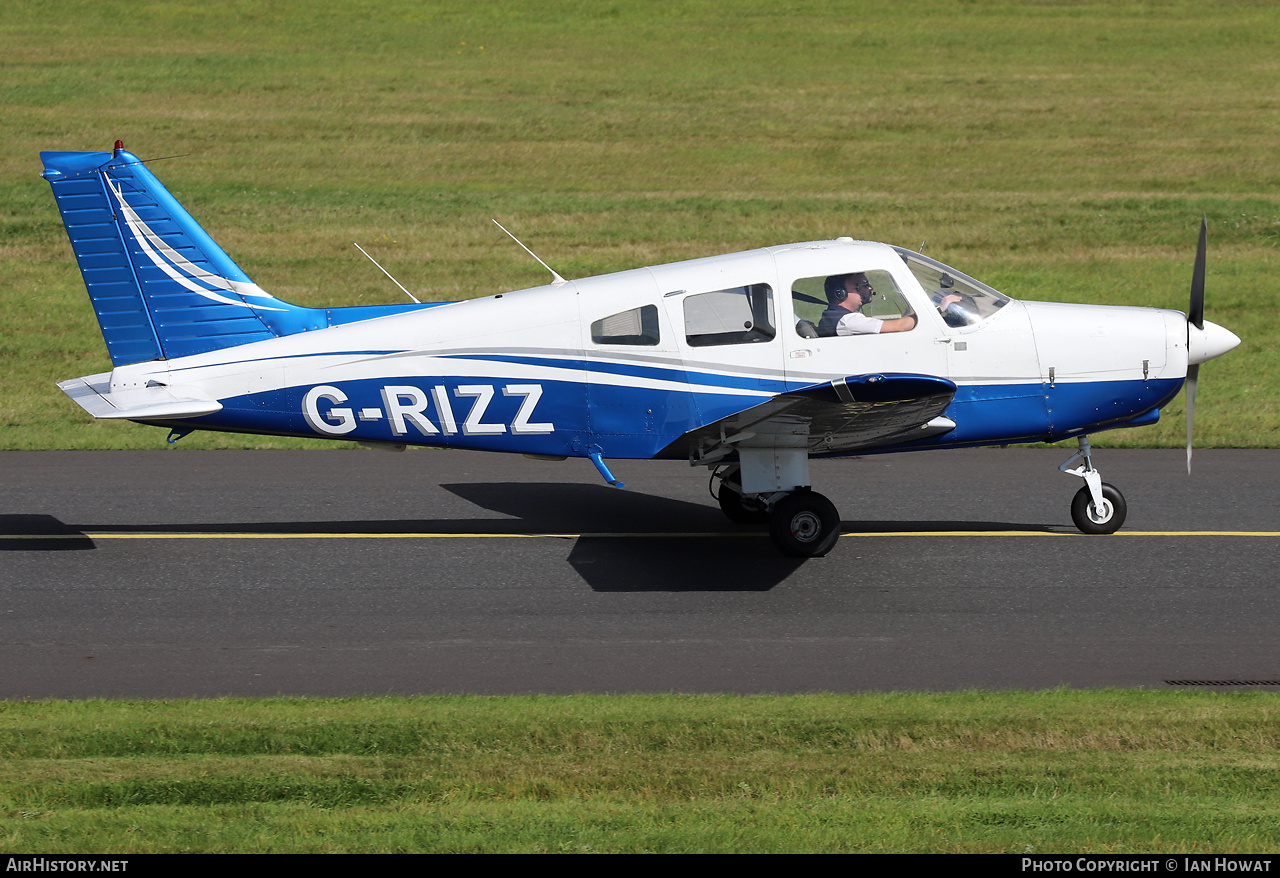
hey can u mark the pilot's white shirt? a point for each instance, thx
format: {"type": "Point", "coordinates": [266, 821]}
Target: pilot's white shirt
{"type": "Point", "coordinates": [857, 323]}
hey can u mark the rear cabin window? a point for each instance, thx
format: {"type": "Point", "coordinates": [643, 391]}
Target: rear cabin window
{"type": "Point", "coordinates": [639, 326]}
{"type": "Point", "coordinates": [742, 315]}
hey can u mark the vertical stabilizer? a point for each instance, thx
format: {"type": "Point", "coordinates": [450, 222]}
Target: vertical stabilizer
{"type": "Point", "coordinates": [160, 286]}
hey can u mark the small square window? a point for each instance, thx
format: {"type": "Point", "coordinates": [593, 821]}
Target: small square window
{"type": "Point", "coordinates": [639, 326]}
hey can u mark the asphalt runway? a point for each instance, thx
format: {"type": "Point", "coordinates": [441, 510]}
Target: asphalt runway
{"type": "Point", "coordinates": [176, 573]}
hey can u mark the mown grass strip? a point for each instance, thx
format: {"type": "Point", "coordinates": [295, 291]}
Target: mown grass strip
{"type": "Point", "coordinates": [1051, 771]}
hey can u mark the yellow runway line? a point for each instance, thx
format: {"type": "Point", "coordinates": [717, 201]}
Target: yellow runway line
{"type": "Point", "coordinates": [94, 535]}
{"type": "Point", "coordinates": [1066, 533]}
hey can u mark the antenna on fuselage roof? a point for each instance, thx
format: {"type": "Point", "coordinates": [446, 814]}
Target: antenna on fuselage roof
{"type": "Point", "coordinates": [921, 250]}
{"type": "Point", "coordinates": [388, 274]}
{"type": "Point", "coordinates": [556, 278]}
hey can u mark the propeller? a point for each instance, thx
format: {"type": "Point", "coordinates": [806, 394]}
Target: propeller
{"type": "Point", "coordinates": [1195, 317]}
{"type": "Point", "coordinates": [1205, 339]}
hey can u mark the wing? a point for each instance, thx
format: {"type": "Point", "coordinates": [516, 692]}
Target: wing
{"type": "Point", "coordinates": [840, 416]}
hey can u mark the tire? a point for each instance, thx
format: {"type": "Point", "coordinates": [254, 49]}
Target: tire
{"type": "Point", "coordinates": [1093, 521]}
{"type": "Point", "coordinates": [804, 524]}
{"type": "Point", "coordinates": [737, 508]}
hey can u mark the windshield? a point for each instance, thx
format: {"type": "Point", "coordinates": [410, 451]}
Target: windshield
{"type": "Point", "coordinates": [968, 301]}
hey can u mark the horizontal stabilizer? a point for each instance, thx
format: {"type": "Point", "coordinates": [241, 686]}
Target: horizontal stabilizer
{"type": "Point", "coordinates": [93, 394]}
{"type": "Point", "coordinates": [840, 416]}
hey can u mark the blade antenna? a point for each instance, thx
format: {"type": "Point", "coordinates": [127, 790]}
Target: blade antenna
{"type": "Point", "coordinates": [388, 274]}
{"type": "Point", "coordinates": [556, 278]}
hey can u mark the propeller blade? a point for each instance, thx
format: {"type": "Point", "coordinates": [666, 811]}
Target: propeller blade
{"type": "Point", "coordinates": [1193, 373]}
{"type": "Point", "coordinates": [1195, 311]}
{"type": "Point", "coordinates": [1195, 317]}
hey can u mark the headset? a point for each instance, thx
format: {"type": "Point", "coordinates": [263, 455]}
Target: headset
{"type": "Point", "coordinates": [834, 288]}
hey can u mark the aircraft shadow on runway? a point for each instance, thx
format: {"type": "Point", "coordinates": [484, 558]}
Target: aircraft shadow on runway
{"type": "Point", "coordinates": [633, 542]}
{"type": "Point", "coordinates": [625, 541]}
{"type": "Point", "coordinates": [609, 555]}
{"type": "Point", "coordinates": [41, 532]}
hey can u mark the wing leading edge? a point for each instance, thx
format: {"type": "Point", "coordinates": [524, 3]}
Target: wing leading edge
{"type": "Point", "coordinates": [840, 416]}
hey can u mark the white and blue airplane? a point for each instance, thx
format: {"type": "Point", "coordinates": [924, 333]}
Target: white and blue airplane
{"type": "Point", "coordinates": [748, 364]}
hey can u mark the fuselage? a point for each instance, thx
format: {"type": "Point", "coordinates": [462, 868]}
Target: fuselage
{"type": "Point", "coordinates": [627, 363]}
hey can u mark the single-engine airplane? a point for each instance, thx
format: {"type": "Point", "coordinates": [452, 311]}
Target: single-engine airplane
{"type": "Point", "coordinates": [748, 364]}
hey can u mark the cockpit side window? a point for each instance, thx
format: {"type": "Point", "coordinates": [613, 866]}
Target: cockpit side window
{"type": "Point", "coordinates": [639, 326]}
{"type": "Point", "coordinates": [811, 302]}
{"type": "Point", "coordinates": [741, 315]}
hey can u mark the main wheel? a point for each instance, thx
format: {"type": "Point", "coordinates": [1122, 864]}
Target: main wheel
{"type": "Point", "coordinates": [737, 508]}
{"type": "Point", "coordinates": [804, 524]}
{"type": "Point", "coordinates": [1092, 520]}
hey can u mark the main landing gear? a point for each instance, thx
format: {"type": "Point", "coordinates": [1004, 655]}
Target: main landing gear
{"type": "Point", "coordinates": [802, 522]}
{"type": "Point", "coordinates": [1098, 507]}
{"type": "Point", "coordinates": [805, 524]}
{"type": "Point", "coordinates": [737, 507]}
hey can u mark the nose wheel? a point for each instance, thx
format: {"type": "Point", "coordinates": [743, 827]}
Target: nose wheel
{"type": "Point", "coordinates": [1104, 518]}
{"type": "Point", "coordinates": [1098, 507]}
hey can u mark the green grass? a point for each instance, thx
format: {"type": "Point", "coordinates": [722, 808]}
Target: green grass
{"type": "Point", "coordinates": [1060, 771]}
{"type": "Point", "coordinates": [1063, 151]}
{"type": "Point", "coordinates": [1059, 150]}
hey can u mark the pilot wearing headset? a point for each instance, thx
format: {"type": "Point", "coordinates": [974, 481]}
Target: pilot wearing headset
{"type": "Point", "coordinates": [846, 294]}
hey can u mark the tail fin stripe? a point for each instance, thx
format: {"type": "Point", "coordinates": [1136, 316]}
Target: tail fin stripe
{"type": "Point", "coordinates": [179, 269]}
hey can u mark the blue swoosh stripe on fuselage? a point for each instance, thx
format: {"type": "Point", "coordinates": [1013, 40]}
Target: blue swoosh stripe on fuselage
{"type": "Point", "coordinates": [638, 422]}
{"type": "Point", "coordinates": [623, 421]}
{"type": "Point", "coordinates": [987, 414]}
{"type": "Point", "coordinates": [764, 386]}
{"type": "Point", "coordinates": [663, 373]}
{"type": "Point", "coordinates": [258, 360]}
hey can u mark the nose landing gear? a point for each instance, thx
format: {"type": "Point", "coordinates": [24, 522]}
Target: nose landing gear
{"type": "Point", "coordinates": [1098, 507]}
